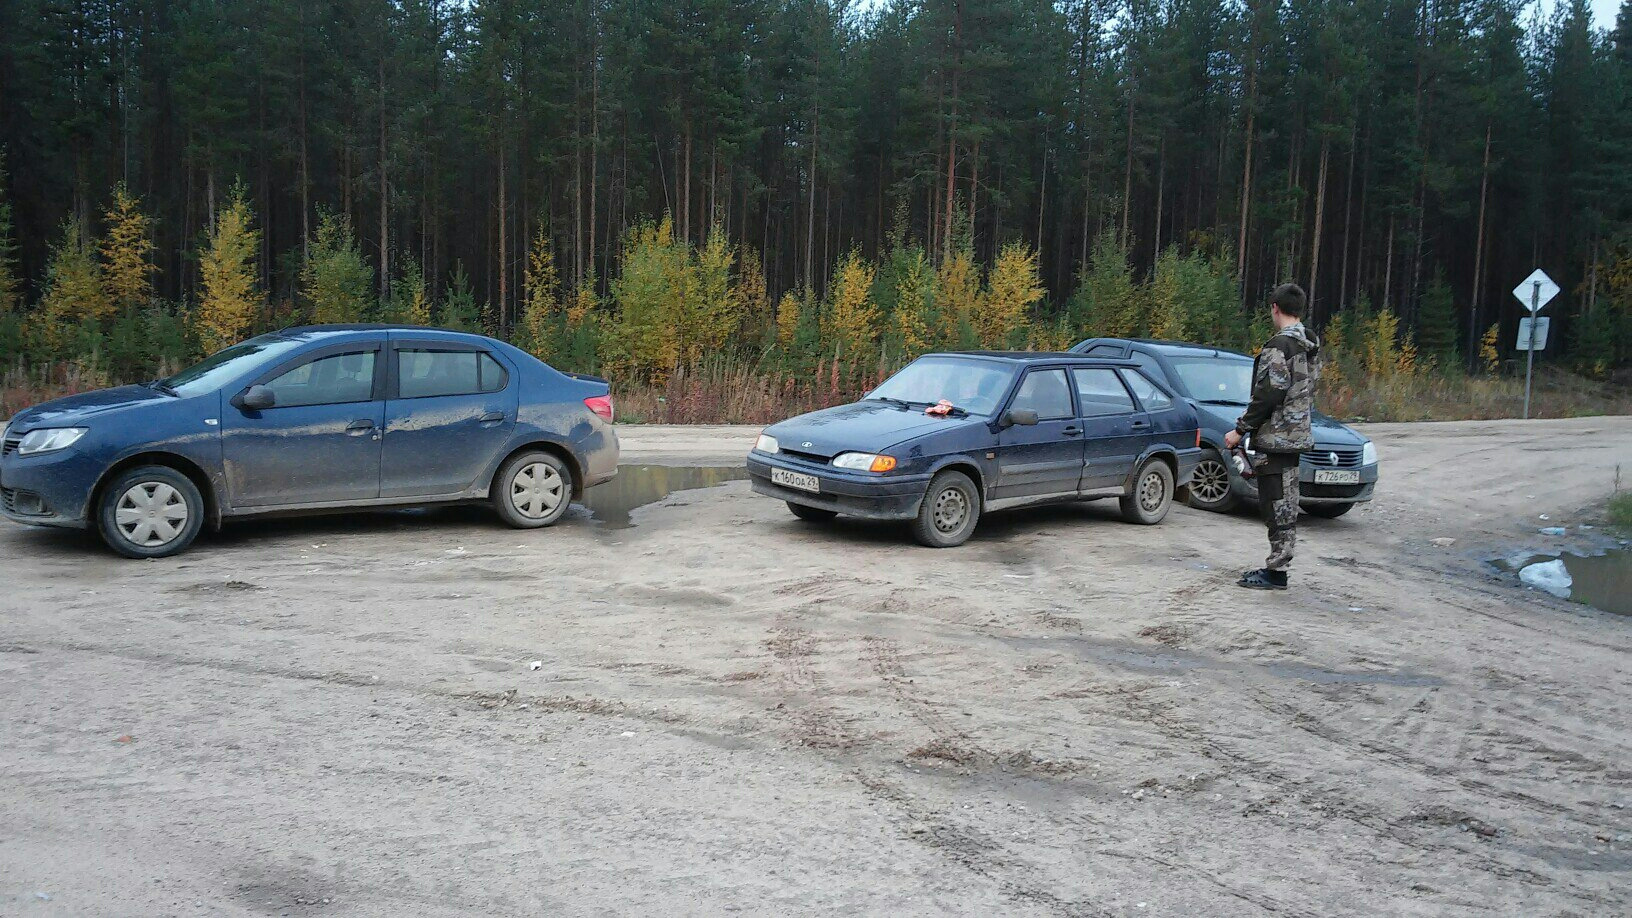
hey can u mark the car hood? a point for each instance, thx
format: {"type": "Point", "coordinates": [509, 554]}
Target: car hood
{"type": "Point", "coordinates": [867, 427]}
{"type": "Point", "coordinates": [76, 409]}
{"type": "Point", "coordinates": [1329, 432]}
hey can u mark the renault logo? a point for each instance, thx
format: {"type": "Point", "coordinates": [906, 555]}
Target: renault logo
{"type": "Point", "coordinates": [1332, 457]}
{"type": "Point", "coordinates": [807, 444]}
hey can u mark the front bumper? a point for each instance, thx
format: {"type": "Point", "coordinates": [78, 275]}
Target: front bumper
{"type": "Point", "coordinates": [47, 490]}
{"type": "Point", "coordinates": [1311, 493]}
{"type": "Point", "coordinates": [861, 494]}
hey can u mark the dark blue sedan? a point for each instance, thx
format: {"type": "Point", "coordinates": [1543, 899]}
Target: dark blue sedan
{"type": "Point", "coordinates": [953, 436]}
{"type": "Point", "coordinates": [1340, 472]}
{"type": "Point", "coordinates": [353, 416]}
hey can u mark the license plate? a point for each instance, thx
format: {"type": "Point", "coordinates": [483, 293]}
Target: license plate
{"type": "Point", "coordinates": [1337, 476]}
{"type": "Point", "coordinates": [797, 480]}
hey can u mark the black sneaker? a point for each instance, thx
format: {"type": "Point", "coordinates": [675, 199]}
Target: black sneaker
{"type": "Point", "coordinates": [1263, 579]}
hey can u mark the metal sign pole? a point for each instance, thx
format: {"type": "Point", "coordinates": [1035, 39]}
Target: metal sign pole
{"type": "Point", "coordinates": [1530, 355]}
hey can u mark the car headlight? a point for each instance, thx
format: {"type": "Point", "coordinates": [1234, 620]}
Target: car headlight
{"type": "Point", "coordinates": [864, 462]}
{"type": "Point", "coordinates": [767, 444]}
{"type": "Point", "coordinates": [48, 439]}
{"type": "Point", "coordinates": [1368, 453]}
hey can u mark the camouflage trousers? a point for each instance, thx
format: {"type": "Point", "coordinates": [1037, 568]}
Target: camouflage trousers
{"type": "Point", "coordinates": [1277, 478]}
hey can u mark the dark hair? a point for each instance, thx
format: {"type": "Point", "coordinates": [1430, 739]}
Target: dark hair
{"type": "Point", "coordinates": [1290, 298]}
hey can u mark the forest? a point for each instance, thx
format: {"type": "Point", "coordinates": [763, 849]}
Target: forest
{"type": "Point", "coordinates": [735, 204]}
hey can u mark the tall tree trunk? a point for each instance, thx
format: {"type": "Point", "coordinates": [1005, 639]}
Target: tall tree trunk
{"type": "Point", "coordinates": [1388, 267]}
{"type": "Point", "coordinates": [1348, 211]}
{"type": "Point", "coordinates": [504, 239]}
{"type": "Point", "coordinates": [1478, 258]}
{"type": "Point", "coordinates": [1161, 193]}
{"type": "Point", "coordinates": [685, 185]}
{"type": "Point", "coordinates": [1127, 178]}
{"type": "Point", "coordinates": [594, 138]}
{"type": "Point", "coordinates": [1246, 180]}
{"type": "Point", "coordinates": [385, 198]}
{"type": "Point", "coordinates": [952, 134]}
{"type": "Point", "coordinates": [810, 200]}
{"type": "Point", "coordinates": [1320, 224]}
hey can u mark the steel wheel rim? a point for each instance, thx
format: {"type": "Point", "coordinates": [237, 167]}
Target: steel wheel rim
{"type": "Point", "coordinates": [1152, 491]}
{"type": "Point", "coordinates": [1211, 481]}
{"type": "Point", "coordinates": [151, 514]}
{"type": "Point", "coordinates": [950, 510]}
{"type": "Point", "coordinates": [537, 490]}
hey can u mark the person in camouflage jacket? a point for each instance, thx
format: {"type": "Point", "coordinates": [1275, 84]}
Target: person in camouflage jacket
{"type": "Point", "coordinates": [1278, 421]}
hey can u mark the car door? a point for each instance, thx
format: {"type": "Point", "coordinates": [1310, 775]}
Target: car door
{"type": "Point", "coordinates": [452, 408]}
{"type": "Point", "coordinates": [1043, 459]}
{"type": "Point", "coordinates": [1114, 430]}
{"type": "Point", "coordinates": [320, 441]}
{"type": "Point", "coordinates": [1157, 406]}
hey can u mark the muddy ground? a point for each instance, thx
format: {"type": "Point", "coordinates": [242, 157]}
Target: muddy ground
{"type": "Point", "coordinates": [737, 712]}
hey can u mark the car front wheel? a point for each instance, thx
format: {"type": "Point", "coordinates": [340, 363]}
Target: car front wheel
{"type": "Point", "coordinates": [1152, 494]}
{"type": "Point", "coordinates": [1210, 487]}
{"type": "Point", "coordinates": [533, 490]}
{"type": "Point", "coordinates": [950, 510]}
{"type": "Point", "coordinates": [150, 512]}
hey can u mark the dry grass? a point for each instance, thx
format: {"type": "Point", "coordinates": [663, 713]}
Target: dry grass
{"type": "Point", "coordinates": [1437, 397]}
{"type": "Point", "coordinates": [729, 392]}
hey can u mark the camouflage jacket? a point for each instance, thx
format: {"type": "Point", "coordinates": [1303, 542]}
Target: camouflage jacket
{"type": "Point", "coordinates": [1283, 393]}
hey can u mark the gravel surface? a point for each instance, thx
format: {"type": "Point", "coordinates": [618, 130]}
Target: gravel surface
{"type": "Point", "coordinates": [736, 711]}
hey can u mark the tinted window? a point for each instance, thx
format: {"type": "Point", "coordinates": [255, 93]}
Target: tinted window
{"type": "Point", "coordinates": [1151, 397]}
{"type": "Point", "coordinates": [1216, 379]}
{"type": "Point", "coordinates": [1150, 366]}
{"type": "Point", "coordinates": [1100, 392]}
{"type": "Point", "coordinates": [1045, 392]}
{"type": "Point", "coordinates": [1105, 350]}
{"type": "Point", "coordinates": [422, 373]}
{"type": "Point", "coordinates": [331, 380]}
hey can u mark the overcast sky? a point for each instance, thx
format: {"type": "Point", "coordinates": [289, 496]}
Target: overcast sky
{"type": "Point", "coordinates": [1604, 12]}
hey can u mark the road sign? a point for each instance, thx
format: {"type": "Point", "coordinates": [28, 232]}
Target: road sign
{"type": "Point", "coordinates": [1536, 290]}
{"type": "Point", "coordinates": [1539, 340]}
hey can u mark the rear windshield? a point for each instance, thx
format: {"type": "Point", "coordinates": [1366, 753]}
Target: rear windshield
{"type": "Point", "coordinates": [976, 386]}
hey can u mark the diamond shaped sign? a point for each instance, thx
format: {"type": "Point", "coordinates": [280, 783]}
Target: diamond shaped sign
{"type": "Point", "coordinates": [1536, 290]}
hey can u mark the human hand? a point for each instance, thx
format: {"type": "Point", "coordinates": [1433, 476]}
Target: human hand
{"type": "Point", "coordinates": [1232, 439]}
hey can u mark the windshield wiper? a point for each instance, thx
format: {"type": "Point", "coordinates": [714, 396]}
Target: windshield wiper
{"type": "Point", "coordinates": [1220, 401]}
{"type": "Point", "coordinates": [901, 403]}
{"type": "Point", "coordinates": [158, 385]}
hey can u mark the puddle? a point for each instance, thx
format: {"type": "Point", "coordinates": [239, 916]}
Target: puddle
{"type": "Point", "coordinates": [610, 504]}
{"type": "Point", "coordinates": [1601, 581]}
{"type": "Point", "coordinates": [1140, 657]}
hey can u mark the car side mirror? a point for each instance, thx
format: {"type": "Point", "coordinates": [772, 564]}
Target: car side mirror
{"type": "Point", "coordinates": [256, 398]}
{"type": "Point", "coordinates": [1022, 417]}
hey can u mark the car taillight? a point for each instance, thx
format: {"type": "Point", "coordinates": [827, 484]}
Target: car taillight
{"type": "Point", "coordinates": [1198, 437]}
{"type": "Point", "coordinates": [601, 405]}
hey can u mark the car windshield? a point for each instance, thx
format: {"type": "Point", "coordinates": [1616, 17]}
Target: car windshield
{"type": "Point", "coordinates": [215, 370]}
{"type": "Point", "coordinates": [1215, 379]}
{"type": "Point", "coordinates": [976, 386]}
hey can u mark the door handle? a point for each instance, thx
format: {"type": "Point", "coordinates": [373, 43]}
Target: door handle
{"type": "Point", "coordinates": [1071, 431]}
{"type": "Point", "coordinates": [1141, 425]}
{"type": "Point", "coordinates": [492, 417]}
{"type": "Point", "coordinates": [359, 427]}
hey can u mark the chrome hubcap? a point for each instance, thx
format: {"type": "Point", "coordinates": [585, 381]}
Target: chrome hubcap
{"type": "Point", "coordinates": [537, 490]}
{"type": "Point", "coordinates": [1211, 482]}
{"type": "Point", "coordinates": [1152, 491]}
{"type": "Point", "coordinates": [151, 514]}
{"type": "Point", "coordinates": [951, 509]}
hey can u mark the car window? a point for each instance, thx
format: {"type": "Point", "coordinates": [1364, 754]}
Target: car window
{"type": "Point", "coordinates": [1100, 392]}
{"type": "Point", "coordinates": [223, 366]}
{"type": "Point", "coordinates": [1216, 379]}
{"type": "Point", "coordinates": [1150, 366]}
{"type": "Point", "coordinates": [1105, 350]}
{"type": "Point", "coordinates": [976, 386]}
{"type": "Point", "coordinates": [424, 373]}
{"type": "Point", "coordinates": [1045, 392]}
{"type": "Point", "coordinates": [1151, 397]}
{"type": "Point", "coordinates": [332, 380]}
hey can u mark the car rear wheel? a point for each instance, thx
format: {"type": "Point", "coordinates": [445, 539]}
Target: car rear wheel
{"type": "Point", "coordinates": [950, 510]}
{"type": "Point", "coordinates": [811, 514]}
{"type": "Point", "coordinates": [533, 490]}
{"type": "Point", "coordinates": [1152, 494]}
{"type": "Point", "coordinates": [1210, 486]}
{"type": "Point", "coordinates": [1327, 511]}
{"type": "Point", "coordinates": [150, 512]}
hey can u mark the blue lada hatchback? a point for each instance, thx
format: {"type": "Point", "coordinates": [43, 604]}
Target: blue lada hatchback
{"type": "Point", "coordinates": [953, 436]}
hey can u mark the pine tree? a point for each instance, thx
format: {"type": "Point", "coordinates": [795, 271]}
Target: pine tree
{"type": "Point", "coordinates": [1436, 323]}
{"type": "Point", "coordinates": [1106, 301]}
{"type": "Point", "coordinates": [541, 313]}
{"type": "Point", "coordinates": [788, 319]}
{"type": "Point", "coordinates": [716, 307]}
{"type": "Point", "coordinates": [1012, 289]}
{"type": "Point", "coordinates": [852, 318]}
{"type": "Point", "coordinates": [758, 319]}
{"type": "Point", "coordinates": [410, 300]}
{"type": "Point", "coordinates": [459, 309]}
{"type": "Point", "coordinates": [127, 250]}
{"type": "Point", "coordinates": [10, 283]}
{"type": "Point", "coordinates": [914, 293]}
{"type": "Point", "coordinates": [230, 295]}
{"type": "Point", "coordinates": [957, 299]}
{"type": "Point", "coordinates": [335, 282]}
{"type": "Point", "coordinates": [74, 292]}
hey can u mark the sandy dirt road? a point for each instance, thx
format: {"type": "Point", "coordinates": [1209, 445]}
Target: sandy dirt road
{"type": "Point", "coordinates": [738, 712]}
